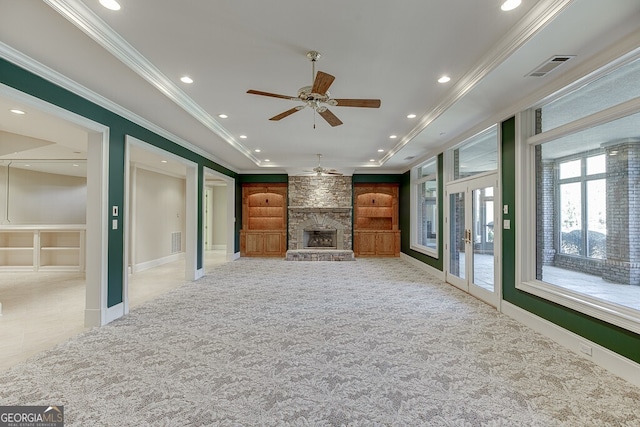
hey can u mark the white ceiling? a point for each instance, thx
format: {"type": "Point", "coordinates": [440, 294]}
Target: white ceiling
{"type": "Point", "coordinates": [394, 51]}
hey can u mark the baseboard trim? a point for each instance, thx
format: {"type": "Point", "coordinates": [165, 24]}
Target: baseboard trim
{"type": "Point", "coordinates": [613, 362]}
{"type": "Point", "coordinates": [92, 318]}
{"type": "Point", "coordinates": [433, 271]}
{"type": "Point", "coordinates": [157, 262]}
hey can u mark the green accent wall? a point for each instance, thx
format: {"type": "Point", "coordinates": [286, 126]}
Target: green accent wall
{"type": "Point", "coordinates": [263, 179]}
{"type": "Point", "coordinates": [619, 340]}
{"type": "Point", "coordinates": [22, 80]}
{"type": "Point", "coordinates": [405, 219]}
{"type": "Point", "coordinates": [376, 179]}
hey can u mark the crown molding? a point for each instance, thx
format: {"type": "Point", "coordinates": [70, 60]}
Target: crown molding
{"type": "Point", "coordinates": [18, 58]}
{"type": "Point", "coordinates": [86, 20]}
{"type": "Point", "coordinates": [538, 17]}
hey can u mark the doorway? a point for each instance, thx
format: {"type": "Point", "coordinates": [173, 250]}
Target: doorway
{"type": "Point", "coordinates": [471, 259]}
{"type": "Point", "coordinates": [218, 219]}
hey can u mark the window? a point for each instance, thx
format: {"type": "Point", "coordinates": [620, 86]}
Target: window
{"type": "Point", "coordinates": [424, 209]}
{"type": "Point", "coordinates": [582, 248]}
{"type": "Point", "coordinates": [582, 206]}
{"type": "Point", "coordinates": [478, 154]}
{"type": "Point", "coordinates": [606, 91]}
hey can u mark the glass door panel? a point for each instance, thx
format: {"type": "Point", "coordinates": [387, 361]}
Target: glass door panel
{"type": "Point", "coordinates": [482, 232]}
{"type": "Point", "coordinates": [458, 234]}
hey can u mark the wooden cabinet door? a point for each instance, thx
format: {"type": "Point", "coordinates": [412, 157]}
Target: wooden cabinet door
{"type": "Point", "coordinates": [254, 244]}
{"type": "Point", "coordinates": [386, 244]}
{"type": "Point", "coordinates": [272, 244]}
{"type": "Point", "coordinates": [366, 243]}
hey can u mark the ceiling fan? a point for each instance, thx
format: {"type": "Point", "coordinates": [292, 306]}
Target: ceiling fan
{"type": "Point", "coordinates": [316, 95]}
{"type": "Point", "coordinates": [319, 170]}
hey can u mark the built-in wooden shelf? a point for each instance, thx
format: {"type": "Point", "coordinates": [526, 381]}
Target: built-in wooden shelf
{"type": "Point", "coordinates": [375, 229]}
{"type": "Point", "coordinates": [264, 220]}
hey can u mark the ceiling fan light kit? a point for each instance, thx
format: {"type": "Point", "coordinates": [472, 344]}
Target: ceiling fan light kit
{"type": "Point", "coordinates": [317, 96]}
{"type": "Point", "coordinates": [320, 171]}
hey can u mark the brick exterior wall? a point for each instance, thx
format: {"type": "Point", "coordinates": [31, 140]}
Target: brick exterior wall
{"type": "Point", "coordinates": [623, 212]}
{"type": "Point", "coordinates": [545, 213]}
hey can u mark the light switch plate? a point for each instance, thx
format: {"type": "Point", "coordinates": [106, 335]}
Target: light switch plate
{"type": "Point", "coordinates": [506, 224]}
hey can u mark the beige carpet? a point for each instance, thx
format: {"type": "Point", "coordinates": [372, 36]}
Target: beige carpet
{"type": "Point", "coordinates": [365, 343]}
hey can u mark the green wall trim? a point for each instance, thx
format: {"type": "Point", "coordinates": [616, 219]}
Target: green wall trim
{"type": "Point", "coordinates": [263, 178]}
{"type": "Point", "coordinates": [621, 341]}
{"type": "Point", "coordinates": [371, 178]}
{"type": "Point", "coordinates": [119, 127]}
{"type": "Point", "coordinates": [405, 219]}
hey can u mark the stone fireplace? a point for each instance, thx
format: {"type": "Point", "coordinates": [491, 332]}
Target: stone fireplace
{"type": "Point", "coordinates": [320, 218]}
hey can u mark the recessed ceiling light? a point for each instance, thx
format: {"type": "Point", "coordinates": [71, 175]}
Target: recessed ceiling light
{"type": "Point", "coordinates": [393, 136]}
{"type": "Point", "coordinates": [27, 165]}
{"type": "Point", "coordinates": [257, 150]}
{"type": "Point", "coordinates": [243, 136]}
{"type": "Point", "coordinates": [186, 79]}
{"type": "Point", "coordinates": [381, 151]}
{"type": "Point", "coordinates": [444, 79]}
{"type": "Point", "coordinates": [222, 116]}
{"type": "Point", "coordinates": [510, 5]}
{"type": "Point", "coordinates": [267, 160]}
{"type": "Point", "coordinates": [163, 161]}
{"type": "Point", "coordinates": [372, 160]}
{"type": "Point", "coordinates": [411, 116]}
{"type": "Point", "coordinates": [110, 4]}
{"type": "Point", "coordinates": [16, 111]}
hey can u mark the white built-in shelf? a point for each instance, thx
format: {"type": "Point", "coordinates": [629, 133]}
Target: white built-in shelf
{"type": "Point", "coordinates": [42, 247]}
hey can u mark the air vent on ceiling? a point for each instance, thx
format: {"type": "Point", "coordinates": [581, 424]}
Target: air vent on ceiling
{"type": "Point", "coordinates": [410, 157]}
{"type": "Point", "coordinates": [549, 65]}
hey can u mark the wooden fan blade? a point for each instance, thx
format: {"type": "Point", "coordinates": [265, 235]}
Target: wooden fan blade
{"type": "Point", "coordinates": [330, 118]}
{"type": "Point", "coordinates": [366, 103]}
{"type": "Point", "coordinates": [322, 82]}
{"type": "Point", "coordinates": [285, 114]}
{"type": "Point", "coordinates": [273, 95]}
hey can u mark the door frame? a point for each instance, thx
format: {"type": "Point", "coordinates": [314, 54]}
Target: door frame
{"type": "Point", "coordinates": [467, 185]}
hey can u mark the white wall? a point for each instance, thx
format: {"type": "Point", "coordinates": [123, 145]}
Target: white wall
{"type": "Point", "coordinates": [159, 210]}
{"type": "Point", "coordinates": [219, 211]}
{"type": "Point", "coordinates": [42, 198]}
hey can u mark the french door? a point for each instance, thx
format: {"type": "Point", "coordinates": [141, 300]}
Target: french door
{"type": "Point", "coordinates": [471, 263]}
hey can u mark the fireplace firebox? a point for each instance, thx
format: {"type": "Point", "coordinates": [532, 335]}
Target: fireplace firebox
{"type": "Point", "coordinates": [320, 239]}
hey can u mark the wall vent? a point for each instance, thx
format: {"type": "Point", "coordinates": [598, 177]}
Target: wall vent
{"type": "Point", "coordinates": [549, 65]}
{"type": "Point", "coordinates": [176, 242]}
